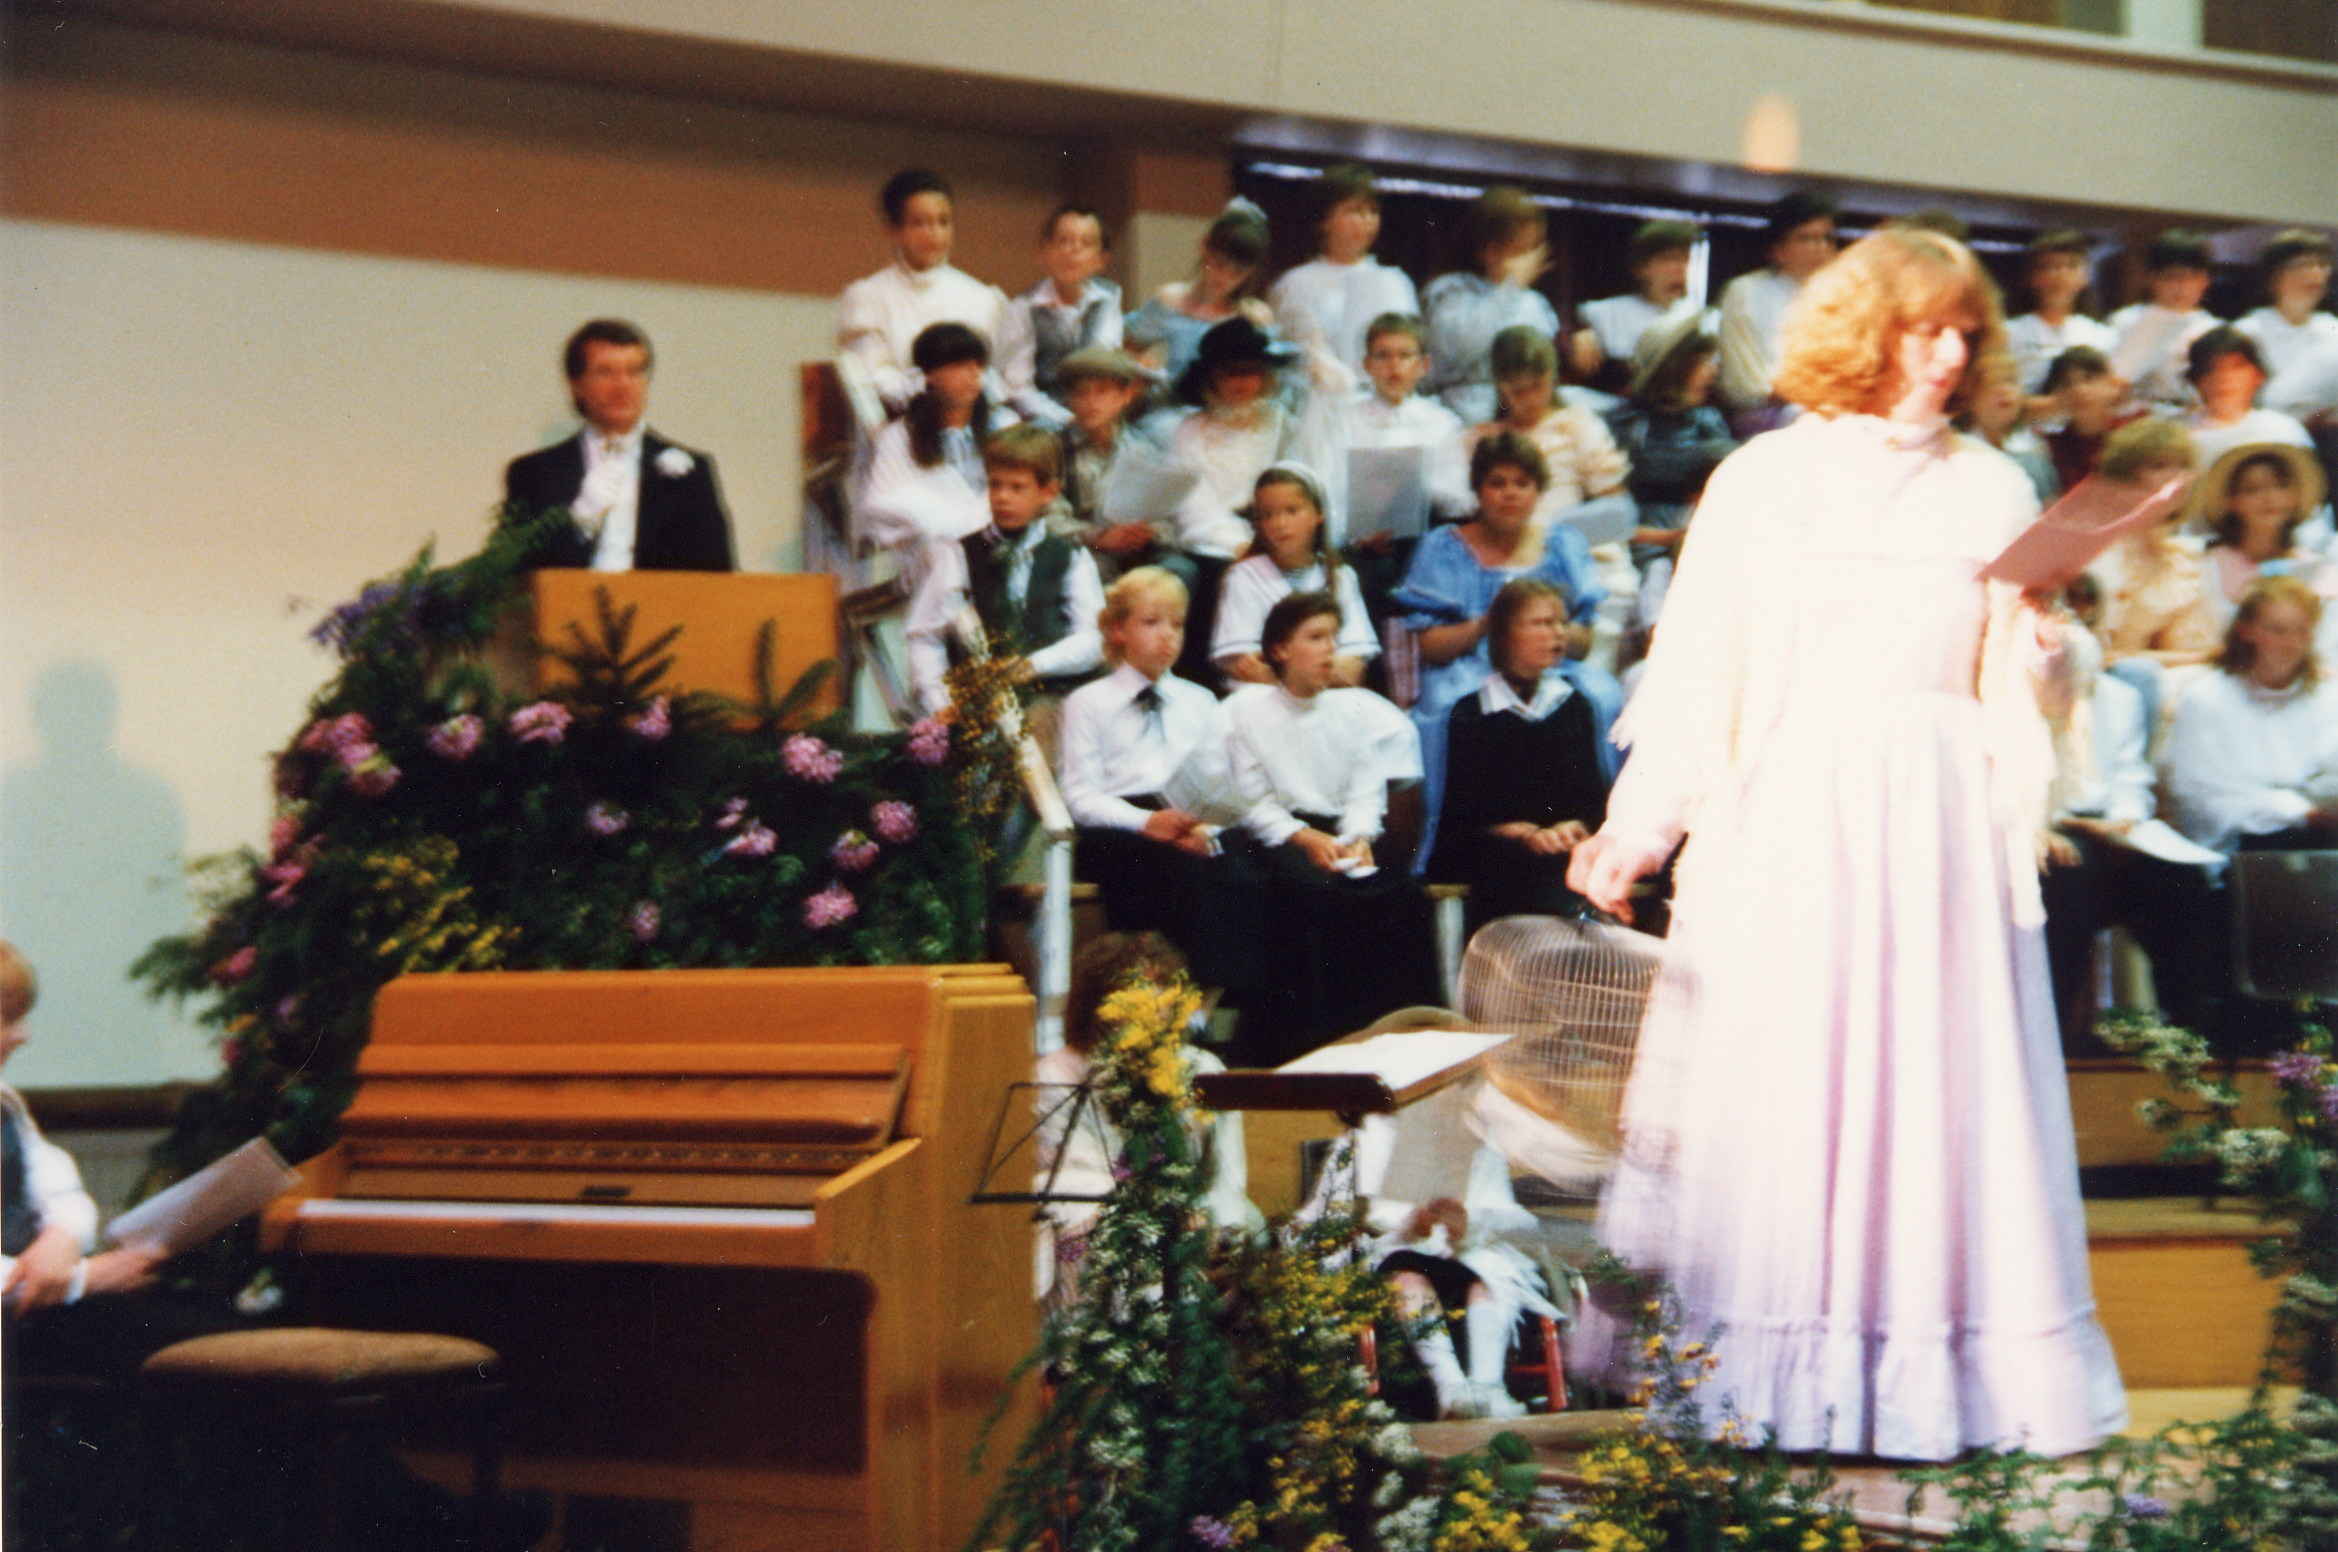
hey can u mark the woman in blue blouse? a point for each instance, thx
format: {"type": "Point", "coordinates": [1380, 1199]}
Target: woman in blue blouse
{"type": "Point", "coordinates": [1451, 584]}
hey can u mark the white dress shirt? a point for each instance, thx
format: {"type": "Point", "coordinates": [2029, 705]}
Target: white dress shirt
{"type": "Point", "coordinates": [1619, 321]}
{"type": "Point", "coordinates": [905, 506]}
{"type": "Point", "coordinates": [608, 504]}
{"type": "Point", "coordinates": [1551, 692]}
{"type": "Point", "coordinates": [2151, 347]}
{"type": "Point", "coordinates": [1114, 749]}
{"type": "Point", "coordinates": [881, 316]}
{"type": "Point", "coordinates": [1753, 317]}
{"type": "Point", "coordinates": [1254, 585]}
{"type": "Point", "coordinates": [945, 589]}
{"type": "Point", "coordinates": [2300, 358]}
{"type": "Point", "coordinates": [2213, 441]}
{"type": "Point", "coordinates": [1313, 756]}
{"type": "Point", "coordinates": [2035, 343]}
{"type": "Point", "coordinates": [2241, 760]}
{"type": "Point", "coordinates": [52, 1184]}
{"type": "Point", "coordinates": [1369, 423]}
{"type": "Point", "coordinates": [1329, 307]}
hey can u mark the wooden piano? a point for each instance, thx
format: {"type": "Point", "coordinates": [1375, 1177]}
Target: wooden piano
{"type": "Point", "coordinates": [717, 1223]}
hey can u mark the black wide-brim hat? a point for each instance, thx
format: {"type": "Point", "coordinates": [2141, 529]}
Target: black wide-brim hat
{"type": "Point", "coordinates": [1236, 342]}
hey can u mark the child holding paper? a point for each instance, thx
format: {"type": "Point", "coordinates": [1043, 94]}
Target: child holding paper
{"type": "Point", "coordinates": [2151, 339]}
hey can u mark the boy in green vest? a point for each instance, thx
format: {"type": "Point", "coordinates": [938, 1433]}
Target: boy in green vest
{"type": "Point", "coordinates": [1035, 593]}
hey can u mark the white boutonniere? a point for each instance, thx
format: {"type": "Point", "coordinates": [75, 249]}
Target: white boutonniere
{"type": "Point", "coordinates": [674, 463]}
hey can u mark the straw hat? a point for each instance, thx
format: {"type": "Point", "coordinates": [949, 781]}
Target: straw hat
{"type": "Point", "coordinates": [2215, 487]}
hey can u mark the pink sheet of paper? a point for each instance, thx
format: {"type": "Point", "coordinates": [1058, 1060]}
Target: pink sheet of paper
{"type": "Point", "coordinates": [2095, 514]}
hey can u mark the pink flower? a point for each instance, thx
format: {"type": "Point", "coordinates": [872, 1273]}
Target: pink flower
{"type": "Point", "coordinates": [374, 776]}
{"type": "Point", "coordinates": [456, 737]}
{"type": "Point", "coordinates": [284, 875]}
{"type": "Point", "coordinates": [231, 1051]}
{"type": "Point", "coordinates": [756, 840]}
{"type": "Point", "coordinates": [236, 966]}
{"type": "Point", "coordinates": [929, 741]}
{"type": "Point", "coordinates": [653, 721]}
{"type": "Point", "coordinates": [896, 822]}
{"type": "Point", "coordinates": [830, 906]}
{"type": "Point", "coordinates": [283, 830]}
{"type": "Point", "coordinates": [285, 1008]}
{"type": "Point", "coordinates": [809, 759]}
{"type": "Point", "coordinates": [335, 735]}
{"type": "Point", "coordinates": [541, 722]}
{"type": "Point", "coordinates": [642, 921]}
{"type": "Point", "coordinates": [732, 812]}
{"type": "Point", "coordinates": [606, 819]}
{"type": "Point", "coordinates": [853, 851]}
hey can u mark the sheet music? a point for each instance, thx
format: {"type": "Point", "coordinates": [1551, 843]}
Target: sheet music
{"type": "Point", "coordinates": [230, 1190]}
{"type": "Point", "coordinates": [2094, 515]}
{"type": "Point", "coordinates": [1400, 1060]}
{"type": "Point", "coordinates": [1388, 492]}
{"type": "Point", "coordinates": [1601, 522]}
{"type": "Point", "coordinates": [2157, 838]}
{"type": "Point", "coordinates": [1145, 484]}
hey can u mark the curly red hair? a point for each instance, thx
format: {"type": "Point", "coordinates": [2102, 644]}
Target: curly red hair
{"type": "Point", "coordinates": [1841, 339]}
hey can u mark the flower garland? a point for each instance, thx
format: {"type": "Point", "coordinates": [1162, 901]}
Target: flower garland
{"type": "Point", "coordinates": [428, 820]}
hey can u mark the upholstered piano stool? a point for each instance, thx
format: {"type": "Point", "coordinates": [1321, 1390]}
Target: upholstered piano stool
{"type": "Point", "coordinates": [314, 1387]}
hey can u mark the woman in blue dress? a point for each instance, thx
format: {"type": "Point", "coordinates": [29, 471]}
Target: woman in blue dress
{"type": "Point", "coordinates": [1451, 584]}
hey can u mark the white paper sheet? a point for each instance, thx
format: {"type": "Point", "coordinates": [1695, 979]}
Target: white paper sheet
{"type": "Point", "coordinates": [1388, 492]}
{"type": "Point", "coordinates": [1145, 484]}
{"type": "Point", "coordinates": [230, 1190]}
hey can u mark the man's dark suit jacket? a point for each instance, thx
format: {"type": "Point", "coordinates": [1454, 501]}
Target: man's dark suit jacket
{"type": "Point", "coordinates": [680, 524]}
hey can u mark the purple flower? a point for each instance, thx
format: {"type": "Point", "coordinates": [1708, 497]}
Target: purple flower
{"type": "Point", "coordinates": [541, 722]}
{"type": "Point", "coordinates": [896, 822]}
{"type": "Point", "coordinates": [1211, 1532]}
{"type": "Point", "coordinates": [456, 737]}
{"type": "Point", "coordinates": [283, 830]}
{"type": "Point", "coordinates": [373, 776]}
{"type": "Point", "coordinates": [642, 920]}
{"type": "Point", "coordinates": [606, 819]}
{"type": "Point", "coordinates": [2327, 1103]}
{"type": "Point", "coordinates": [285, 1008]}
{"type": "Point", "coordinates": [830, 906]}
{"type": "Point", "coordinates": [929, 741]}
{"type": "Point", "coordinates": [853, 852]}
{"type": "Point", "coordinates": [756, 840]}
{"type": "Point", "coordinates": [2145, 1507]}
{"type": "Point", "coordinates": [732, 812]}
{"type": "Point", "coordinates": [2295, 1067]}
{"type": "Point", "coordinates": [235, 966]}
{"type": "Point", "coordinates": [808, 759]}
{"type": "Point", "coordinates": [653, 721]}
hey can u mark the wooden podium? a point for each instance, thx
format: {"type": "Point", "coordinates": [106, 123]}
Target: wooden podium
{"type": "Point", "coordinates": [721, 615]}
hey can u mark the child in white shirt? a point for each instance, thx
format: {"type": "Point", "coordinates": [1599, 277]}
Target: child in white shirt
{"type": "Point", "coordinates": [1073, 309]}
{"type": "Point", "coordinates": [881, 316]}
{"type": "Point", "coordinates": [1390, 414]}
{"type": "Point", "coordinates": [2227, 373]}
{"type": "Point", "coordinates": [2300, 340]}
{"type": "Point", "coordinates": [1144, 771]}
{"type": "Point", "coordinates": [1610, 338]}
{"type": "Point", "coordinates": [1290, 554]}
{"type": "Point", "coordinates": [1507, 238]}
{"type": "Point", "coordinates": [2061, 284]}
{"type": "Point", "coordinates": [925, 479]}
{"type": "Point", "coordinates": [1327, 303]}
{"type": "Point", "coordinates": [1351, 940]}
{"type": "Point", "coordinates": [1800, 242]}
{"type": "Point", "coordinates": [2150, 340]}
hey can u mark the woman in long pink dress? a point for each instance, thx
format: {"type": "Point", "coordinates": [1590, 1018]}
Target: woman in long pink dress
{"type": "Point", "coordinates": [1847, 1141]}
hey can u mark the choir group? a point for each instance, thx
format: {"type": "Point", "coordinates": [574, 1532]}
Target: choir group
{"type": "Point", "coordinates": [1231, 531]}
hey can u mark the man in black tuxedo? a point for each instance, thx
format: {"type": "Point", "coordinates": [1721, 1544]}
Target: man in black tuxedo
{"type": "Point", "coordinates": [640, 503]}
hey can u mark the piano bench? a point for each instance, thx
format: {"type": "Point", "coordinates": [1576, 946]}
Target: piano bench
{"type": "Point", "coordinates": [321, 1385]}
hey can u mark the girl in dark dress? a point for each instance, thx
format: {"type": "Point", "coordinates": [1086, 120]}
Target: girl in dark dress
{"type": "Point", "coordinates": [1523, 784]}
